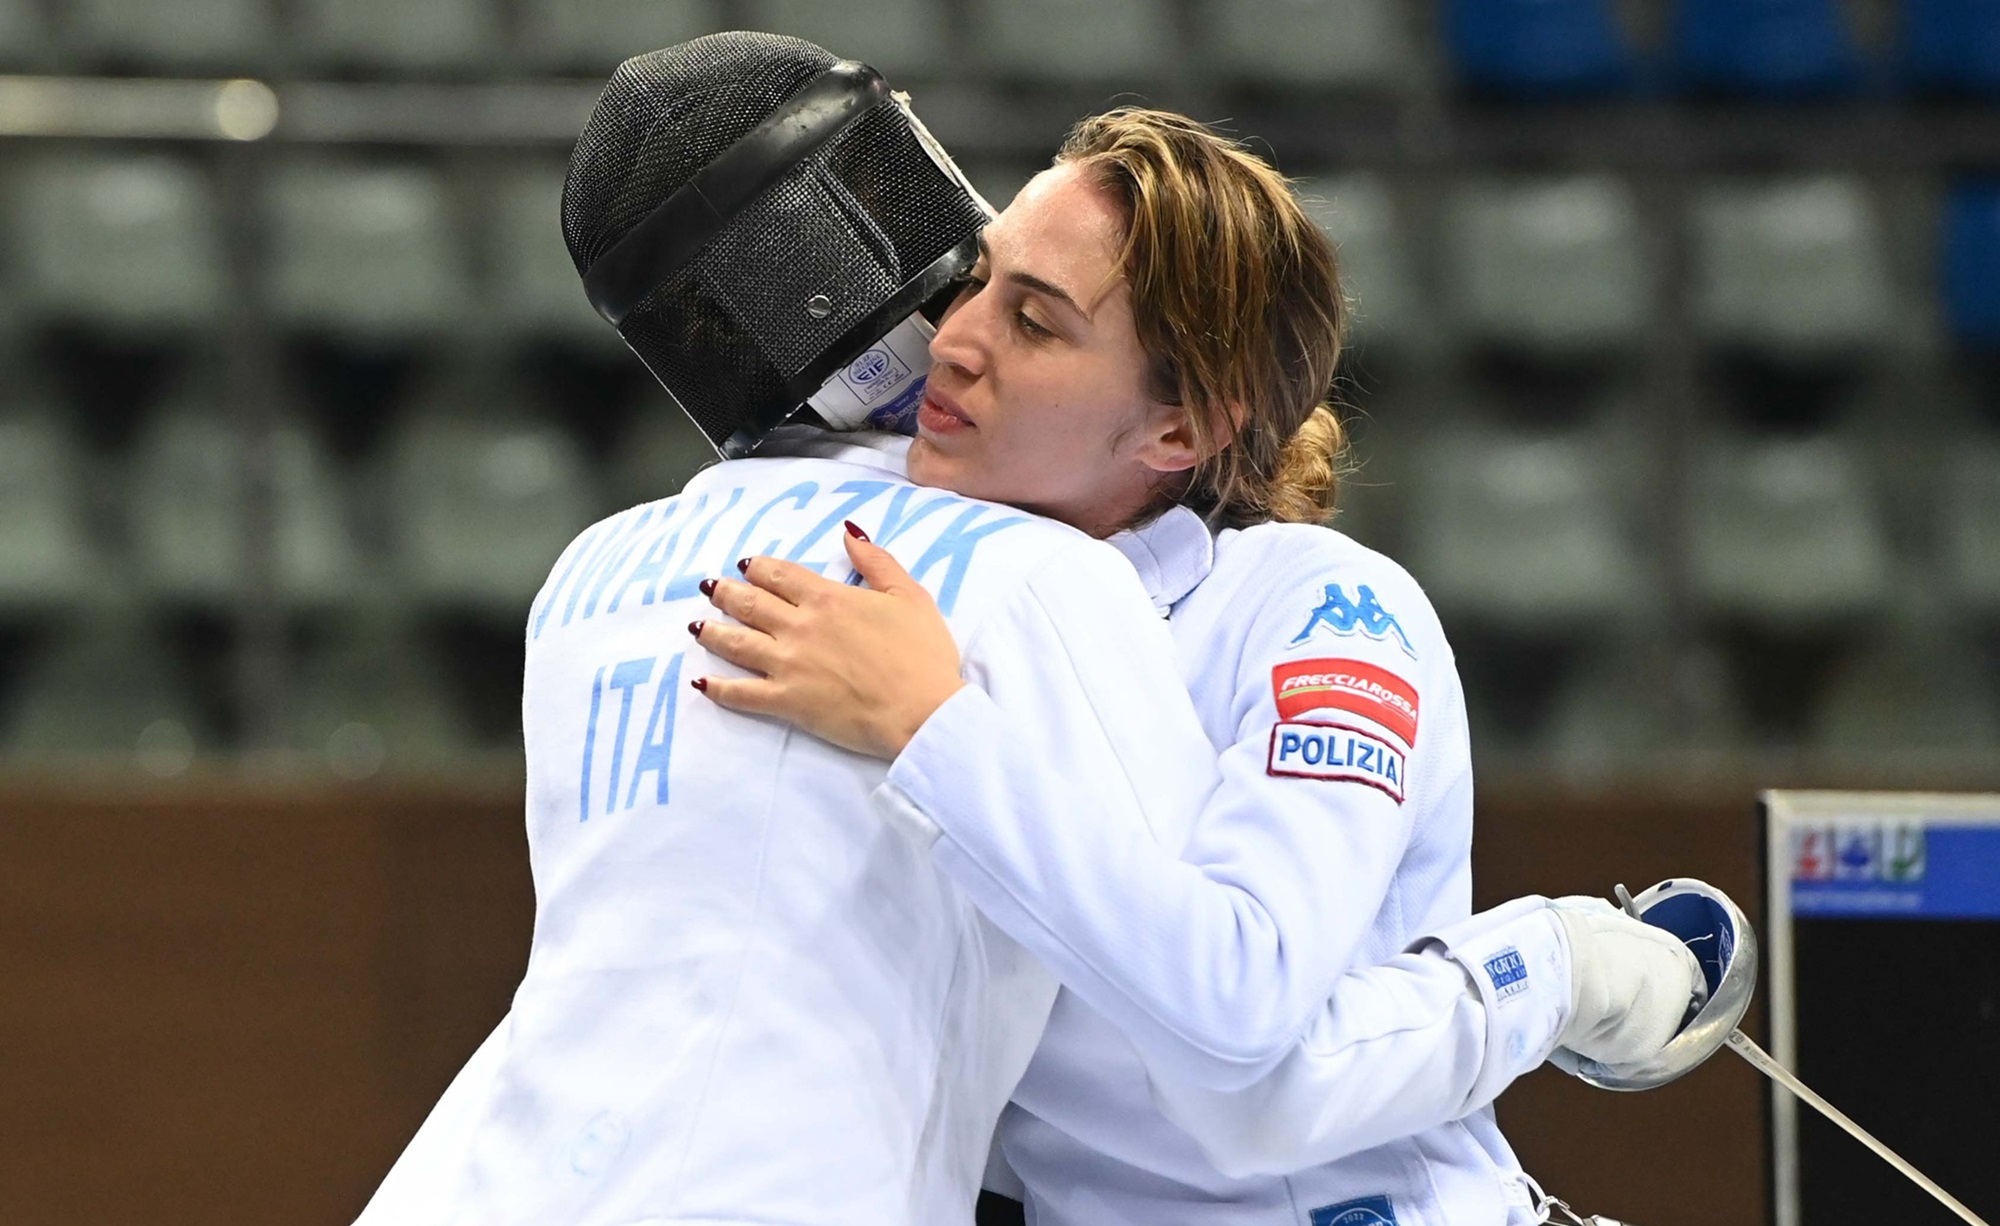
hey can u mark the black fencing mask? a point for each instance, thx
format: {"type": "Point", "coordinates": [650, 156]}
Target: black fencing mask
{"type": "Point", "coordinates": [754, 216]}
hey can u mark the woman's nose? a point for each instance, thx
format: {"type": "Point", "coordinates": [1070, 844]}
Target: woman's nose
{"type": "Point", "coordinates": [960, 339]}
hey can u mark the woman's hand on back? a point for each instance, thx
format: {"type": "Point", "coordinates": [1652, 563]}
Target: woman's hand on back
{"type": "Point", "coordinates": [860, 667]}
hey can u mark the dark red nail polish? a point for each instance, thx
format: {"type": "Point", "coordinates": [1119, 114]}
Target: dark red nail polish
{"type": "Point", "coordinates": [707, 587]}
{"type": "Point", "coordinates": [854, 530]}
{"type": "Point", "coordinates": [743, 565]}
{"type": "Point", "coordinates": [700, 683]}
{"type": "Point", "coordinates": [694, 628]}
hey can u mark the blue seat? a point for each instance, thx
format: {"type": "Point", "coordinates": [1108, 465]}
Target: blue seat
{"type": "Point", "coordinates": [1539, 48]}
{"type": "Point", "coordinates": [1952, 46]}
{"type": "Point", "coordinates": [1766, 48]}
{"type": "Point", "coordinates": [1971, 256]}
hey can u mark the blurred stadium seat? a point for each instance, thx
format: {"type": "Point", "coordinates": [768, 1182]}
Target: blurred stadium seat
{"type": "Point", "coordinates": [364, 250]}
{"type": "Point", "coordinates": [24, 35]}
{"type": "Point", "coordinates": [482, 508]}
{"type": "Point", "coordinates": [1952, 46]}
{"type": "Point", "coordinates": [906, 39]}
{"type": "Point", "coordinates": [1766, 48]}
{"type": "Point", "coordinates": [1786, 531]}
{"type": "Point", "coordinates": [536, 290]}
{"type": "Point", "coordinates": [46, 558]}
{"type": "Point", "coordinates": [187, 513]}
{"type": "Point", "coordinates": [1971, 531]}
{"type": "Point", "coordinates": [163, 37]}
{"type": "Point", "coordinates": [1097, 41]}
{"type": "Point", "coordinates": [592, 37]}
{"type": "Point", "coordinates": [1524, 529]}
{"type": "Point", "coordinates": [1908, 688]}
{"type": "Point", "coordinates": [660, 451]}
{"type": "Point", "coordinates": [1353, 45]}
{"type": "Point", "coordinates": [1360, 213]}
{"type": "Point", "coordinates": [106, 686]}
{"type": "Point", "coordinates": [400, 36]}
{"type": "Point", "coordinates": [120, 241]}
{"type": "Point", "coordinates": [370, 701]}
{"type": "Point", "coordinates": [1556, 267]}
{"type": "Point", "coordinates": [1970, 276]}
{"type": "Point", "coordinates": [1539, 48]}
{"type": "Point", "coordinates": [1791, 269]}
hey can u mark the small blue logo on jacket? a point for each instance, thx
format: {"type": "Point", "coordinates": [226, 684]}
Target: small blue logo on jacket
{"type": "Point", "coordinates": [1367, 1211]}
{"type": "Point", "coordinates": [1344, 616]}
{"type": "Point", "coordinates": [1509, 973]}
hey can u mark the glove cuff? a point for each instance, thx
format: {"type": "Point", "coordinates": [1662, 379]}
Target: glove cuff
{"type": "Point", "coordinates": [1517, 958]}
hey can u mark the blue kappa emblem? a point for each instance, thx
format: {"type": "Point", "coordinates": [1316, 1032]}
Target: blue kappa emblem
{"type": "Point", "coordinates": [1366, 1211]}
{"type": "Point", "coordinates": [1344, 616]}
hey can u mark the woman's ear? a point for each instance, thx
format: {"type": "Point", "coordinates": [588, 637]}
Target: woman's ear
{"type": "Point", "coordinates": [1171, 446]}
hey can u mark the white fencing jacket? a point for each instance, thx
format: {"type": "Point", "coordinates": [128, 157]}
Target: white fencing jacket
{"type": "Point", "coordinates": [749, 1000]}
{"type": "Point", "coordinates": [1231, 963]}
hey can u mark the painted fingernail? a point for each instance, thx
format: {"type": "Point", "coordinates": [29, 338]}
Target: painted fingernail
{"type": "Point", "coordinates": [700, 683]}
{"type": "Point", "coordinates": [694, 628]}
{"type": "Point", "coordinates": [854, 530]}
{"type": "Point", "coordinates": [743, 566]}
{"type": "Point", "coordinates": [707, 587]}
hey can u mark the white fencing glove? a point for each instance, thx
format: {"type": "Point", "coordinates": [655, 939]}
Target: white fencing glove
{"type": "Point", "coordinates": [1631, 985]}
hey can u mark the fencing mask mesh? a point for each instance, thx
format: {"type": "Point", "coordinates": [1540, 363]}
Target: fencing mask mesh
{"type": "Point", "coordinates": [752, 214]}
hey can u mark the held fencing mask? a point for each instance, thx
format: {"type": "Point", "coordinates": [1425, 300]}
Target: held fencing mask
{"type": "Point", "coordinates": [754, 215]}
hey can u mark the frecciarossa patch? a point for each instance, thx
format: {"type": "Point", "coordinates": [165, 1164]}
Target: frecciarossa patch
{"type": "Point", "coordinates": [1310, 749]}
{"type": "Point", "coordinates": [1354, 686]}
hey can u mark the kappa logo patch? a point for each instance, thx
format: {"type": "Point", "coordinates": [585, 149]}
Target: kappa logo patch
{"type": "Point", "coordinates": [1365, 1211]}
{"type": "Point", "coordinates": [1302, 749]}
{"type": "Point", "coordinates": [1362, 614]}
{"type": "Point", "coordinates": [1509, 973]}
{"type": "Point", "coordinates": [1354, 686]}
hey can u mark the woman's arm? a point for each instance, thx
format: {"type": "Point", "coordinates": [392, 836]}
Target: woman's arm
{"type": "Point", "coordinates": [1208, 928]}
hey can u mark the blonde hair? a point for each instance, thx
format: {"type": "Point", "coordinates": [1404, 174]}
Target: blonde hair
{"type": "Point", "coordinates": [1237, 299]}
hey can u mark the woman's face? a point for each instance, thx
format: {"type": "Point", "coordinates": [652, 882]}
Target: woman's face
{"type": "Point", "coordinates": [1037, 393]}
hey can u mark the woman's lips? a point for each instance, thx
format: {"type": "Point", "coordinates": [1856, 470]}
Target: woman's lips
{"type": "Point", "coordinates": [938, 415]}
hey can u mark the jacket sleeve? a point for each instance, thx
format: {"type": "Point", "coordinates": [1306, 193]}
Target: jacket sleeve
{"type": "Point", "coordinates": [1207, 918]}
{"type": "Point", "coordinates": [1425, 1038]}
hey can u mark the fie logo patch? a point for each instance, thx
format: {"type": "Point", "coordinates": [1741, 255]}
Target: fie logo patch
{"type": "Point", "coordinates": [875, 374]}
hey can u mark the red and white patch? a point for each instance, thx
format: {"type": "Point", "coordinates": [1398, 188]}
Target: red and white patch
{"type": "Point", "coordinates": [1354, 686]}
{"type": "Point", "coordinates": [1312, 749]}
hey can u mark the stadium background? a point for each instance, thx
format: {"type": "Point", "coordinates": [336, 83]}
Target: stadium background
{"type": "Point", "coordinates": [1673, 382]}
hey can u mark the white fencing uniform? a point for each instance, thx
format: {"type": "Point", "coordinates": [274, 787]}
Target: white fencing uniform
{"type": "Point", "coordinates": [1340, 833]}
{"type": "Point", "coordinates": [748, 1000]}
